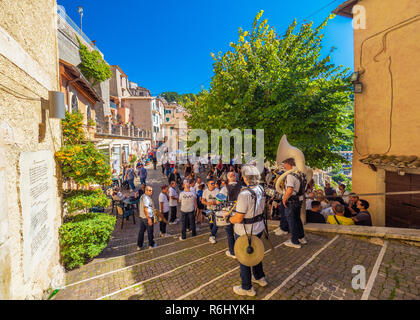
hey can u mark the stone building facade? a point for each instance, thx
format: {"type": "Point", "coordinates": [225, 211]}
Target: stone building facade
{"type": "Point", "coordinates": [29, 256]}
{"type": "Point", "coordinates": [387, 114]}
{"type": "Point", "coordinates": [68, 48]}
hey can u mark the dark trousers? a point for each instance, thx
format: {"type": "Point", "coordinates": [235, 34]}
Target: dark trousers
{"type": "Point", "coordinates": [163, 169]}
{"type": "Point", "coordinates": [131, 184]}
{"type": "Point", "coordinates": [292, 213]}
{"type": "Point", "coordinates": [284, 225]}
{"type": "Point", "coordinates": [162, 224]}
{"type": "Point", "coordinates": [143, 227]}
{"type": "Point", "coordinates": [173, 214]}
{"type": "Point", "coordinates": [245, 271]}
{"type": "Point", "coordinates": [188, 216]}
{"type": "Point", "coordinates": [230, 238]}
{"type": "Point", "coordinates": [142, 180]}
{"type": "Point", "coordinates": [213, 229]}
{"type": "Point", "coordinates": [154, 165]}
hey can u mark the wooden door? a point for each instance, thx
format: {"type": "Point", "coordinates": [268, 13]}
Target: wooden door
{"type": "Point", "coordinates": [402, 211]}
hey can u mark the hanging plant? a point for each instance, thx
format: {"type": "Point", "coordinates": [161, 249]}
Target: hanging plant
{"type": "Point", "coordinates": [93, 66]}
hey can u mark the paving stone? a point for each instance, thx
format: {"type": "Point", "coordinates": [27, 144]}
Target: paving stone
{"type": "Point", "coordinates": [175, 268]}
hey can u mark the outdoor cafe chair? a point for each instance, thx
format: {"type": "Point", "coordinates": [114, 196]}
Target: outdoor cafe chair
{"type": "Point", "coordinates": [124, 212]}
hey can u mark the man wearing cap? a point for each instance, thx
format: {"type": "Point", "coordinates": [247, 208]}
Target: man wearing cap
{"type": "Point", "coordinates": [248, 220]}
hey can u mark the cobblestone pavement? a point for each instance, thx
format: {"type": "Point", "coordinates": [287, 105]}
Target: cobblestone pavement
{"type": "Point", "coordinates": [399, 274]}
{"type": "Point", "coordinates": [196, 269]}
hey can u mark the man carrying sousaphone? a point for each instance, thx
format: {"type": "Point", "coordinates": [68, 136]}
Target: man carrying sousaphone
{"type": "Point", "coordinates": [249, 227]}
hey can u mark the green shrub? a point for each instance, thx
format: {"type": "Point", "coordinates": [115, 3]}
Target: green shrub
{"type": "Point", "coordinates": [85, 199]}
{"type": "Point", "coordinates": [83, 237]}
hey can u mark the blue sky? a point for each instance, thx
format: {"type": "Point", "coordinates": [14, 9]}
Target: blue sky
{"type": "Point", "coordinates": [165, 45]}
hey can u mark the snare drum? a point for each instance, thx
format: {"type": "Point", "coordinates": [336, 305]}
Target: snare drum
{"type": "Point", "coordinates": [220, 221]}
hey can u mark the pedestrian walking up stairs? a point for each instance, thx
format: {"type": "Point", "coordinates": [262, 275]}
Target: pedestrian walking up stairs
{"type": "Point", "coordinates": [198, 269]}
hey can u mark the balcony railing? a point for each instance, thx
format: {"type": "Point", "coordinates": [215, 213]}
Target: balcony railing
{"type": "Point", "coordinates": [126, 131]}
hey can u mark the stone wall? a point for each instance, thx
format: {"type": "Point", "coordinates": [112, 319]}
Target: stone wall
{"type": "Point", "coordinates": [29, 69]}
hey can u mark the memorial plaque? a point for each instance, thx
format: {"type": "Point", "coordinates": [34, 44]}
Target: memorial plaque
{"type": "Point", "coordinates": [37, 195]}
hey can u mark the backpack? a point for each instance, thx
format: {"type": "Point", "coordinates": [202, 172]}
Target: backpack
{"type": "Point", "coordinates": [302, 179]}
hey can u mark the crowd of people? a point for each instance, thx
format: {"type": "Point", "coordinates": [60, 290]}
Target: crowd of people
{"type": "Point", "coordinates": [185, 197]}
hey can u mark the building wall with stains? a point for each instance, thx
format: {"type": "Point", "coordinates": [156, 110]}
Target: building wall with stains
{"type": "Point", "coordinates": [28, 71]}
{"type": "Point", "coordinates": [387, 112]}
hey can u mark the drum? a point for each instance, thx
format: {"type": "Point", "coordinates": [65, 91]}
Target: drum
{"type": "Point", "coordinates": [220, 221]}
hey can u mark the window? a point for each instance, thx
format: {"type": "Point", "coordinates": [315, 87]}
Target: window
{"type": "Point", "coordinates": [89, 113]}
{"type": "Point", "coordinates": [74, 103]}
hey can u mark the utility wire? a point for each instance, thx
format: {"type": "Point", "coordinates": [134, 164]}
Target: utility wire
{"type": "Point", "coordinates": [387, 31]}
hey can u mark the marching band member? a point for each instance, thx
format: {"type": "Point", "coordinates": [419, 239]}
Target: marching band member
{"type": "Point", "coordinates": [248, 220]}
{"type": "Point", "coordinates": [209, 200]}
{"type": "Point", "coordinates": [292, 201]}
{"type": "Point", "coordinates": [231, 191]}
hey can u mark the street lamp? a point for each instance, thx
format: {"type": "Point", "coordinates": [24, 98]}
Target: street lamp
{"type": "Point", "coordinates": [80, 9]}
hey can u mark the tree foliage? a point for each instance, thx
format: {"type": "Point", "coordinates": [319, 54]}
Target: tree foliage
{"type": "Point", "coordinates": [280, 84]}
{"type": "Point", "coordinates": [176, 97]}
{"type": "Point", "coordinates": [93, 66]}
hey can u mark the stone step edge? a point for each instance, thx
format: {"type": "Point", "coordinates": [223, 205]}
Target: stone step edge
{"type": "Point", "coordinates": [378, 232]}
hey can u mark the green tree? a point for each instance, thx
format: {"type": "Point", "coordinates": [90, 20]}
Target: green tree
{"type": "Point", "coordinates": [176, 97]}
{"type": "Point", "coordinates": [280, 84]}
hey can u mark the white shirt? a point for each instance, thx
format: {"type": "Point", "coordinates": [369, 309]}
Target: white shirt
{"type": "Point", "coordinates": [292, 181]}
{"type": "Point", "coordinates": [187, 201]}
{"type": "Point", "coordinates": [224, 191]}
{"type": "Point", "coordinates": [192, 189]}
{"type": "Point", "coordinates": [210, 196]}
{"type": "Point", "coordinates": [146, 202]}
{"type": "Point", "coordinates": [164, 199]}
{"type": "Point", "coordinates": [173, 193]}
{"type": "Point", "coordinates": [344, 195]}
{"type": "Point", "coordinates": [324, 205]}
{"type": "Point", "coordinates": [327, 212]}
{"type": "Point", "coordinates": [246, 205]}
{"type": "Point", "coordinates": [309, 204]}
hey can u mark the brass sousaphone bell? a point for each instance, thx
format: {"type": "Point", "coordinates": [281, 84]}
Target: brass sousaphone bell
{"type": "Point", "coordinates": [249, 250]}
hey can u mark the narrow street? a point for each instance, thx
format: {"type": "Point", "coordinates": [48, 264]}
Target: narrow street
{"type": "Point", "coordinates": [197, 269]}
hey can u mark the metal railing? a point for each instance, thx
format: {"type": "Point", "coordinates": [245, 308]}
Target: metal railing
{"type": "Point", "coordinates": [61, 13]}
